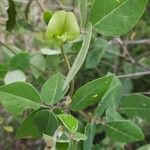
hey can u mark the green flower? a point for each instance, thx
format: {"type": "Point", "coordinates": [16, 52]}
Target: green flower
{"type": "Point", "coordinates": [62, 26]}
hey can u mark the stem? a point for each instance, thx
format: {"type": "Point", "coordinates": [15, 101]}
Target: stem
{"type": "Point", "coordinates": [11, 50]}
{"type": "Point", "coordinates": [132, 75]}
{"type": "Point", "coordinates": [69, 67]}
{"type": "Point", "coordinates": [65, 58]}
{"type": "Point", "coordinates": [85, 116]}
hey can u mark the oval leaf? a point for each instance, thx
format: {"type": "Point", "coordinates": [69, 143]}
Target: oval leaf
{"type": "Point", "coordinates": [69, 122]}
{"type": "Point", "coordinates": [91, 93]}
{"type": "Point", "coordinates": [38, 123]}
{"type": "Point", "coordinates": [20, 62]}
{"type": "Point", "coordinates": [123, 131]}
{"type": "Point", "coordinates": [14, 76]}
{"type": "Point", "coordinates": [136, 105]}
{"type": "Point", "coordinates": [19, 96]}
{"type": "Point", "coordinates": [52, 91]}
{"type": "Point", "coordinates": [118, 17]}
{"type": "Point", "coordinates": [38, 65]}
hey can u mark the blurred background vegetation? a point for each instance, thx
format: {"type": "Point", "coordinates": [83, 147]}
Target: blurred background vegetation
{"type": "Point", "coordinates": [26, 56]}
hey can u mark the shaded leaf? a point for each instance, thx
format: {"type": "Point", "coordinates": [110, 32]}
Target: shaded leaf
{"type": "Point", "coordinates": [20, 62]}
{"type": "Point", "coordinates": [38, 65]}
{"type": "Point", "coordinates": [83, 6]}
{"type": "Point", "coordinates": [136, 105]}
{"type": "Point", "coordinates": [11, 22]}
{"type": "Point", "coordinates": [38, 123]}
{"type": "Point", "coordinates": [3, 70]}
{"type": "Point", "coordinates": [94, 56]}
{"type": "Point", "coordinates": [111, 98]}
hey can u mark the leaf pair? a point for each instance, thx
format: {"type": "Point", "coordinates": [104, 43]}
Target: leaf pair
{"type": "Point", "coordinates": [19, 96]}
{"type": "Point", "coordinates": [38, 123]}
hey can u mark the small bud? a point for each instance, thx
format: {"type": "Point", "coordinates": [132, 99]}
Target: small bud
{"type": "Point", "coordinates": [62, 26]}
{"type": "Point", "coordinates": [47, 16]}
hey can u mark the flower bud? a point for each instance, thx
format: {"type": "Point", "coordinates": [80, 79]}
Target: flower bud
{"type": "Point", "coordinates": [62, 26]}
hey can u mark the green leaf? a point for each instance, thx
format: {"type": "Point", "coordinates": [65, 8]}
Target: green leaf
{"type": "Point", "coordinates": [80, 57]}
{"type": "Point", "coordinates": [8, 128]}
{"type": "Point", "coordinates": [73, 145]}
{"type": "Point", "coordinates": [89, 132]}
{"type": "Point", "coordinates": [96, 54]}
{"type": "Point", "coordinates": [53, 62]}
{"type": "Point", "coordinates": [38, 123]}
{"type": "Point", "coordinates": [52, 90]}
{"type": "Point", "coordinates": [91, 93]}
{"type": "Point", "coordinates": [19, 96]}
{"type": "Point", "coordinates": [123, 131]}
{"type": "Point", "coordinates": [38, 65]}
{"type": "Point", "coordinates": [136, 105]}
{"type": "Point", "coordinates": [69, 122]}
{"type": "Point", "coordinates": [3, 70]}
{"type": "Point", "coordinates": [11, 22]}
{"type": "Point", "coordinates": [83, 6]}
{"type": "Point", "coordinates": [47, 16]}
{"type": "Point", "coordinates": [111, 98]}
{"type": "Point", "coordinates": [113, 115]}
{"type": "Point", "coordinates": [14, 76]}
{"type": "Point", "coordinates": [79, 136]}
{"type": "Point", "coordinates": [118, 17]}
{"type": "Point", "coordinates": [145, 147]}
{"type": "Point", "coordinates": [1, 120]}
{"type": "Point", "coordinates": [20, 62]}
{"type": "Point", "coordinates": [62, 146]}
{"type": "Point", "coordinates": [127, 85]}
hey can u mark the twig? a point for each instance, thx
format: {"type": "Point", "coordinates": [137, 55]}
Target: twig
{"type": "Point", "coordinates": [133, 42]}
{"type": "Point", "coordinates": [3, 44]}
{"type": "Point", "coordinates": [85, 116]}
{"type": "Point", "coordinates": [126, 53]}
{"type": "Point", "coordinates": [137, 42]}
{"type": "Point", "coordinates": [42, 8]}
{"type": "Point", "coordinates": [59, 3]}
{"type": "Point", "coordinates": [61, 6]}
{"type": "Point", "coordinates": [145, 93]}
{"type": "Point", "coordinates": [132, 75]}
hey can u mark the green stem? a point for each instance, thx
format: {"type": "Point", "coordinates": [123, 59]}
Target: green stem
{"type": "Point", "coordinates": [69, 67]}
